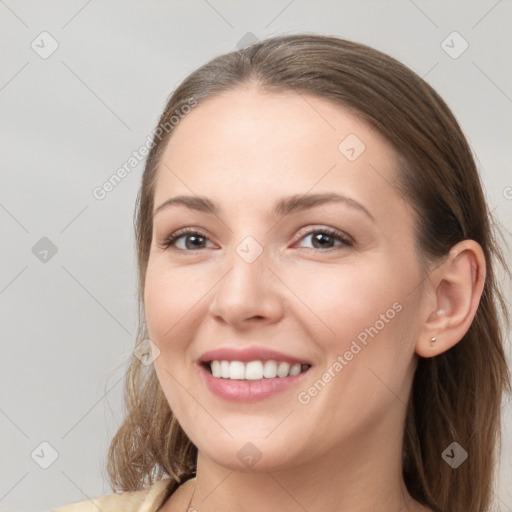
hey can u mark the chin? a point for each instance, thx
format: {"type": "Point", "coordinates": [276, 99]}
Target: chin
{"type": "Point", "coordinates": [258, 456]}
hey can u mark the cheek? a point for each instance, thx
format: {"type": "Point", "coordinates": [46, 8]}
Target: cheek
{"type": "Point", "coordinates": [349, 299]}
{"type": "Point", "coordinates": [172, 301]}
{"type": "Point", "coordinates": [362, 312]}
{"type": "Point", "coordinates": [171, 298]}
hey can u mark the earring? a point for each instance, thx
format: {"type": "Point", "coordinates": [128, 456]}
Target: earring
{"type": "Point", "coordinates": [433, 340]}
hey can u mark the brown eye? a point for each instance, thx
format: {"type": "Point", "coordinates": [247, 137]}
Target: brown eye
{"type": "Point", "coordinates": [326, 238]}
{"type": "Point", "coordinates": [186, 240]}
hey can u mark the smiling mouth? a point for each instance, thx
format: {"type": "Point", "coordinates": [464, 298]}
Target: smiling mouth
{"type": "Point", "coordinates": [253, 370]}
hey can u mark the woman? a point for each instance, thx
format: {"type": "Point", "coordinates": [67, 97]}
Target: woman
{"type": "Point", "coordinates": [317, 288]}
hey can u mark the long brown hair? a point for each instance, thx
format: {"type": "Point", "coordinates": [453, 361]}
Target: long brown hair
{"type": "Point", "coordinates": [456, 396]}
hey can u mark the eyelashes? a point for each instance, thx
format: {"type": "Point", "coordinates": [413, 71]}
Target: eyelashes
{"type": "Point", "coordinates": [169, 241]}
{"type": "Point", "coordinates": [332, 234]}
{"type": "Point", "coordinates": [329, 235]}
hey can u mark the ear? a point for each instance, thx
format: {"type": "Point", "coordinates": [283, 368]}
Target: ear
{"type": "Point", "coordinates": [454, 288]}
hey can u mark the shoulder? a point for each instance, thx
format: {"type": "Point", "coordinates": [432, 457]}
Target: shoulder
{"type": "Point", "coordinates": [133, 501]}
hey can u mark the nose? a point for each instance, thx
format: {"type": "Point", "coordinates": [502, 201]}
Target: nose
{"type": "Point", "coordinates": [248, 293]}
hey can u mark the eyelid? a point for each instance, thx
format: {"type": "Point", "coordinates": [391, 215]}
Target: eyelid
{"type": "Point", "coordinates": [311, 229]}
{"type": "Point", "coordinates": [171, 239]}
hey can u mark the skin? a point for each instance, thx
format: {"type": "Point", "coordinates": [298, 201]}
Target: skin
{"type": "Point", "coordinates": [342, 450]}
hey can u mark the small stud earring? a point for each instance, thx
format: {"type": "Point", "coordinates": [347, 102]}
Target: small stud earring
{"type": "Point", "coordinates": [433, 340]}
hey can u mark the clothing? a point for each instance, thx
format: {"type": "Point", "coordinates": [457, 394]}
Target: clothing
{"type": "Point", "coordinates": [149, 500]}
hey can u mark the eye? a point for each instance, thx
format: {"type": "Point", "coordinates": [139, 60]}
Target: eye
{"type": "Point", "coordinates": [192, 240]}
{"type": "Point", "coordinates": [189, 239]}
{"type": "Point", "coordinates": [325, 238]}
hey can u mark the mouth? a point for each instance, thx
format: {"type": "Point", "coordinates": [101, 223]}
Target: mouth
{"type": "Point", "coordinates": [253, 370]}
{"type": "Point", "coordinates": [251, 373]}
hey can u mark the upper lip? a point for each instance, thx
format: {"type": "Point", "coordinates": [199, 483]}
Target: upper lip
{"type": "Point", "coordinates": [249, 354]}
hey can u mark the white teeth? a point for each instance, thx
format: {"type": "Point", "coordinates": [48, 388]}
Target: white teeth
{"type": "Point", "coordinates": [283, 370]}
{"type": "Point", "coordinates": [215, 367]}
{"type": "Point", "coordinates": [270, 370]}
{"type": "Point", "coordinates": [255, 370]}
{"type": "Point", "coordinates": [236, 370]}
{"type": "Point", "coordinates": [295, 369]}
{"type": "Point", "coordinates": [224, 369]}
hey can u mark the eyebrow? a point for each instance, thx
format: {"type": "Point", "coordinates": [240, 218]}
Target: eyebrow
{"type": "Point", "coordinates": [284, 206]}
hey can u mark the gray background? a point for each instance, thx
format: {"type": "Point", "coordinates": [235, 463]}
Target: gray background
{"type": "Point", "coordinates": [70, 120]}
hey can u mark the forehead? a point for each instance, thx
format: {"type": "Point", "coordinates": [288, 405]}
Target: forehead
{"type": "Point", "coordinates": [247, 144]}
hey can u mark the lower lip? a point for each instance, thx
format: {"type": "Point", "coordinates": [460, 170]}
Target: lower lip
{"type": "Point", "coordinates": [248, 391]}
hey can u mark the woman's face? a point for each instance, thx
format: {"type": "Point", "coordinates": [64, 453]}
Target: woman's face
{"type": "Point", "coordinates": [332, 284]}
